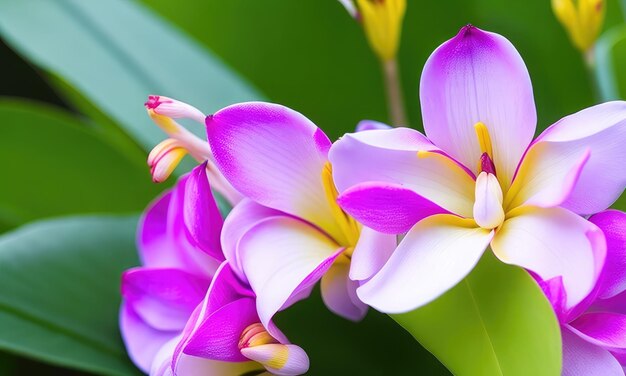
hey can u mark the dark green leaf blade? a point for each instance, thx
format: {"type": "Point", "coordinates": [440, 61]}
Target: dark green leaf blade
{"type": "Point", "coordinates": [60, 291]}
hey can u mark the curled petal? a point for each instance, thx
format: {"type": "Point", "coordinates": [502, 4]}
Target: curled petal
{"type": "Point", "coordinates": [241, 219]}
{"type": "Point", "coordinates": [554, 242]}
{"type": "Point", "coordinates": [403, 157]}
{"type": "Point", "coordinates": [581, 358]}
{"type": "Point", "coordinates": [602, 130]}
{"type": "Point", "coordinates": [282, 256]}
{"type": "Point", "coordinates": [436, 254]}
{"type": "Point", "coordinates": [142, 341]}
{"type": "Point", "coordinates": [613, 225]}
{"type": "Point", "coordinates": [164, 298]}
{"type": "Point", "coordinates": [279, 359]}
{"type": "Point", "coordinates": [339, 292]}
{"type": "Point", "coordinates": [474, 77]}
{"type": "Point", "coordinates": [604, 329]}
{"type": "Point", "coordinates": [488, 212]}
{"type": "Point", "coordinates": [371, 253]}
{"type": "Point", "coordinates": [173, 108]}
{"type": "Point", "coordinates": [385, 207]}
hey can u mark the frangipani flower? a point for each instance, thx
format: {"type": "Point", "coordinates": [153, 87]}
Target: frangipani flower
{"type": "Point", "coordinates": [166, 156]}
{"type": "Point", "coordinates": [289, 232]}
{"type": "Point", "coordinates": [594, 331]}
{"type": "Point", "coordinates": [179, 243]}
{"type": "Point", "coordinates": [478, 181]}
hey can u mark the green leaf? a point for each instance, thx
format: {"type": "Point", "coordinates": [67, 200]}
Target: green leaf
{"type": "Point", "coordinates": [116, 53]}
{"type": "Point", "coordinates": [610, 55]}
{"type": "Point", "coordinates": [56, 164]}
{"type": "Point", "coordinates": [60, 291]}
{"type": "Point", "coordinates": [494, 322]}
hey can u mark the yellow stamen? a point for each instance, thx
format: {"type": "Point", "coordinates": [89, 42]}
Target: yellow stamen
{"type": "Point", "coordinates": [484, 140]}
{"type": "Point", "coordinates": [382, 21]}
{"type": "Point", "coordinates": [255, 335]}
{"type": "Point", "coordinates": [349, 227]}
{"type": "Point", "coordinates": [168, 125]}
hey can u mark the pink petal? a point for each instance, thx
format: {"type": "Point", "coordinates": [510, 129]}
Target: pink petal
{"type": "Point", "coordinates": [391, 156]}
{"type": "Point", "coordinates": [554, 242]}
{"type": "Point", "coordinates": [369, 125]}
{"type": "Point", "coordinates": [547, 175]}
{"type": "Point", "coordinates": [154, 246]}
{"type": "Point", "coordinates": [581, 358]}
{"type": "Point", "coordinates": [435, 255]}
{"type": "Point", "coordinates": [602, 130]}
{"type": "Point", "coordinates": [604, 329]}
{"type": "Point", "coordinates": [187, 365]}
{"type": "Point", "coordinates": [275, 156]}
{"type": "Point", "coordinates": [339, 292]}
{"type": "Point", "coordinates": [385, 207]}
{"type": "Point", "coordinates": [243, 217]}
{"type": "Point", "coordinates": [202, 218]}
{"type": "Point", "coordinates": [163, 298]}
{"type": "Point", "coordinates": [474, 77]}
{"type": "Point", "coordinates": [282, 256]}
{"type": "Point", "coordinates": [613, 225]}
{"type": "Point", "coordinates": [142, 341]}
{"type": "Point", "coordinates": [371, 253]}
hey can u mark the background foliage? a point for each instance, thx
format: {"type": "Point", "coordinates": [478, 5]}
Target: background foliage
{"type": "Point", "coordinates": [82, 152]}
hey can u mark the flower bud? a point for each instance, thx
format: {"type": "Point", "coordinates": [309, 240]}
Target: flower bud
{"type": "Point", "coordinates": [581, 19]}
{"type": "Point", "coordinates": [164, 158]}
{"type": "Point", "coordinates": [382, 21]}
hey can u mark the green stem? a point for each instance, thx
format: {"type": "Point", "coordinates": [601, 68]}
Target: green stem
{"type": "Point", "coordinates": [590, 63]}
{"type": "Point", "coordinates": [393, 88]}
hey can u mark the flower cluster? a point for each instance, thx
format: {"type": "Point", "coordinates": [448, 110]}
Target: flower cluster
{"type": "Point", "coordinates": [384, 217]}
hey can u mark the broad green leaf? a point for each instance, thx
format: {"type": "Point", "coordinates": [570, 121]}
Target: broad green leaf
{"type": "Point", "coordinates": [60, 291]}
{"type": "Point", "coordinates": [610, 55]}
{"type": "Point", "coordinates": [494, 322]}
{"type": "Point", "coordinates": [375, 346]}
{"type": "Point", "coordinates": [56, 164]}
{"type": "Point", "coordinates": [116, 53]}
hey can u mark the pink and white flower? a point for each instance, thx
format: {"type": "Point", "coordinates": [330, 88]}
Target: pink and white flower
{"type": "Point", "coordinates": [477, 180]}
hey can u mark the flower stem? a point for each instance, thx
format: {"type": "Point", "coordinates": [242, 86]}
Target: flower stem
{"type": "Point", "coordinates": [395, 99]}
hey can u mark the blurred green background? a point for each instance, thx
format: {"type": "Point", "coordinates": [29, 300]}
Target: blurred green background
{"type": "Point", "coordinates": [74, 137]}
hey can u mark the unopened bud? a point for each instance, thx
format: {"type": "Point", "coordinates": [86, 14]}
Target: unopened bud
{"type": "Point", "coordinates": [581, 19]}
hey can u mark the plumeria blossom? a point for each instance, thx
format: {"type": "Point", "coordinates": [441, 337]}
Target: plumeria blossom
{"type": "Point", "coordinates": [594, 331]}
{"type": "Point", "coordinates": [476, 179]}
{"type": "Point", "coordinates": [166, 156]}
{"type": "Point", "coordinates": [184, 288]}
{"type": "Point", "coordinates": [288, 232]}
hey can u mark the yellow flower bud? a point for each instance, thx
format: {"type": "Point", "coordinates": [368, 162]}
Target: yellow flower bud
{"type": "Point", "coordinates": [382, 21]}
{"type": "Point", "coordinates": [581, 19]}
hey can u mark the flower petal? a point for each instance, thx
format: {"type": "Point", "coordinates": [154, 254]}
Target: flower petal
{"type": "Point", "coordinates": [391, 156]}
{"type": "Point", "coordinates": [581, 358]}
{"type": "Point", "coordinates": [275, 156]}
{"type": "Point", "coordinates": [202, 218]}
{"type": "Point", "coordinates": [554, 242]}
{"type": "Point", "coordinates": [546, 176]}
{"type": "Point", "coordinates": [339, 292]}
{"type": "Point", "coordinates": [602, 130]}
{"type": "Point", "coordinates": [607, 330]}
{"type": "Point", "coordinates": [187, 365]}
{"type": "Point", "coordinates": [243, 217]}
{"type": "Point", "coordinates": [488, 212]}
{"type": "Point", "coordinates": [282, 256]}
{"type": "Point", "coordinates": [142, 341]}
{"type": "Point", "coordinates": [386, 207]}
{"type": "Point", "coordinates": [279, 359]}
{"type": "Point", "coordinates": [435, 255]}
{"type": "Point", "coordinates": [155, 250]}
{"type": "Point", "coordinates": [371, 253]}
{"type": "Point", "coordinates": [474, 77]}
{"type": "Point", "coordinates": [369, 125]}
{"type": "Point", "coordinates": [613, 225]}
{"type": "Point", "coordinates": [163, 298]}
